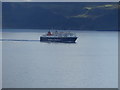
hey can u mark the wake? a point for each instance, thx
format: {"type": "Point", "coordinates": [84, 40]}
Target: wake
{"type": "Point", "coordinates": [19, 40]}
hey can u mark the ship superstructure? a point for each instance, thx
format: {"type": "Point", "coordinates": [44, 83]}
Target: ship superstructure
{"type": "Point", "coordinates": [58, 37]}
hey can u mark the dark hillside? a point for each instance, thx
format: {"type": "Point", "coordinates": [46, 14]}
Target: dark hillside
{"type": "Point", "coordinates": [64, 15]}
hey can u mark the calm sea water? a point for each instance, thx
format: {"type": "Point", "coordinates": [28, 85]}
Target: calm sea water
{"type": "Point", "coordinates": [91, 62]}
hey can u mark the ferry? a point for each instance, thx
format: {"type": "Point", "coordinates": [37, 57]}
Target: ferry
{"type": "Point", "coordinates": [65, 37]}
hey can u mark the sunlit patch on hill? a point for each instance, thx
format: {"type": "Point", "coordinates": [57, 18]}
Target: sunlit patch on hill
{"type": "Point", "coordinates": [89, 8]}
{"type": "Point", "coordinates": [108, 6]}
{"type": "Point", "coordinates": [81, 16]}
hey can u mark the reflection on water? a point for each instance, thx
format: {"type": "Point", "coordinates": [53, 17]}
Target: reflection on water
{"type": "Point", "coordinates": [33, 40]}
{"type": "Point", "coordinates": [91, 62]}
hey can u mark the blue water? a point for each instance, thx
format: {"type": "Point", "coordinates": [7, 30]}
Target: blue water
{"type": "Point", "coordinates": [91, 62]}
